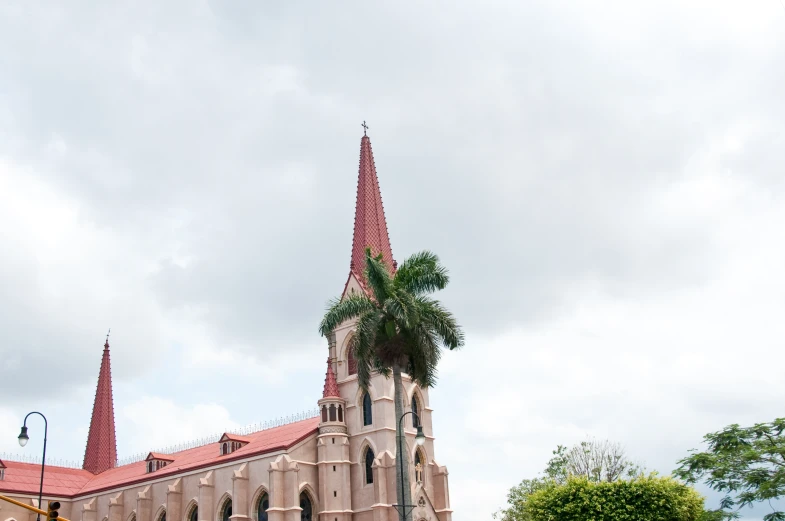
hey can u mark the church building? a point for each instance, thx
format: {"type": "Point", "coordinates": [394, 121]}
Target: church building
{"type": "Point", "coordinates": [336, 466]}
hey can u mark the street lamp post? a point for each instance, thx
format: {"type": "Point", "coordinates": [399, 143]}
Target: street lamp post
{"type": "Point", "coordinates": [419, 439]}
{"type": "Point", "coordinates": [23, 439]}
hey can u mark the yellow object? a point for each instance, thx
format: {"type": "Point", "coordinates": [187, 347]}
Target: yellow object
{"type": "Point", "coordinates": [55, 504]}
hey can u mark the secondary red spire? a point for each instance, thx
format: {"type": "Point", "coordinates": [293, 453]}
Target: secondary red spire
{"type": "Point", "coordinates": [370, 226]}
{"type": "Point", "coordinates": [101, 451]}
{"type": "Point", "coordinates": [330, 384]}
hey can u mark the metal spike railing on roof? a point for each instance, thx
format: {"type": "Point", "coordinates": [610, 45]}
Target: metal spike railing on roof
{"type": "Point", "coordinates": [30, 458]}
{"type": "Point", "coordinates": [242, 431]}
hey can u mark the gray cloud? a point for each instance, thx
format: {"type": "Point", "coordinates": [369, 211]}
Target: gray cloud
{"type": "Point", "coordinates": [186, 172]}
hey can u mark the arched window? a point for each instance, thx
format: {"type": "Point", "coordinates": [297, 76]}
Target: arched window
{"type": "Point", "coordinates": [340, 413]}
{"type": "Point", "coordinates": [305, 504]}
{"type": "Point", "coordinates": [226, 511]}
{"type": "Point", "coordinates": [162, 517]}
{"type": "Point", "coordinates": [264, 504]}
{"type": "Point", "coordinates": [367, 409]}
{"type": "Point", "coordinates": [419, 466]}
{"type": "Point", "coordinates": [351, 360]}
{"type": "Point", "coordinates": [332, 412]}
{"type": "Point", "coordinates": [194, 516]}
{"type": "Point", "coordinates": [368, 466]}
{"type": "Point", "coordinates": [416, 411]}
{"type": "Point", "coordinates": [225, 448]}
{"type": "Point", "coordinates": [324, 413]}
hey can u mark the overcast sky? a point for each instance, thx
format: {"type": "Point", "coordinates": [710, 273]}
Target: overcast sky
{"type": "Point", "coordinates": [604, 180]}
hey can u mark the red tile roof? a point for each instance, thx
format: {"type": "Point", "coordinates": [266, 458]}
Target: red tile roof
{"type": "Point", "coordinates": [58, 481]}
{"type": "Point", "coordinates": [330, 383]}
{"type": "Point", "coordinates": [101, 451]}
{"type": "Point", "coordinates": [260, 442]}
{"type": "Point", "coordinates": [65, 482]}
{"type": "Point", "coordinates": [370, 226]}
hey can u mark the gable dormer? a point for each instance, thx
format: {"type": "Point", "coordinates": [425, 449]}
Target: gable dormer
{"type": "Point", "coordinates": [155, 461]}
{"type": "Point", "coordinates": [231, 442]}
{"type": "Point", "coordinates": [2, 470]}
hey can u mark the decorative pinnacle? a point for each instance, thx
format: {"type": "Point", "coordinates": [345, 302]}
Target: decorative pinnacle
{"type": "Point", "coordinates": [330, 384]}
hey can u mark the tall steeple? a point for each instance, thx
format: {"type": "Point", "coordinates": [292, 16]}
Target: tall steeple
{"type": "Point", "coordinates": [101, 451]}
{"type": "Point", "coordinates": [370, 226]}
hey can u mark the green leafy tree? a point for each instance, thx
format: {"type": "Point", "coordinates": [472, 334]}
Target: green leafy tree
{"type": "Point", "coordinates": [517, 498]}
{"type": "Point", "coordinates": [399, 328]}
{"type": "Point", "coordinates": [649, 498]}
{"type": "Point", "coordinates": [746, 463]}
{"type": "Point", "coordinates": [592, 459]}
{"type": "Point", "coordinates": [600, 463]}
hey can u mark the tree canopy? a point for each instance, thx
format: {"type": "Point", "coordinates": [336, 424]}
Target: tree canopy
{"type": "Point", "coordinates": [592, 459]}
{"type": "Point", "coordinates": [746, 463]}
{"type": "Point", "coordinates": [595, 480]}
{"type": "Point", "coordinates": [640, 499]}
{"type": "Point", "coordinates": [398, 324]}
{"type": "Point", "coordinates": [595, 460]}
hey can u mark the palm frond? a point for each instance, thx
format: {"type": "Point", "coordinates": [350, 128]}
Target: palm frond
{"type": "Point", "coordinates": [365, 345]}
{"type": "Point", "coordinates": [378, 276]}
{"type": "Point", "coordinates": [421, 273]}
{"type": "Point", "coordinates": [402, 307]}
{"type": "Point", "coordinates": [423, 355]}
{"type": "Point", "coordinates": [381, 367]}
{"type": "Point", "coordinates": [398, 325]}
{"type": "Point", "coordinates": [436, 316]}
{"type": "Point", "coordinates": [341, 310]}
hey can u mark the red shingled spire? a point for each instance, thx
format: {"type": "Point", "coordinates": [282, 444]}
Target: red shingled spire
{"type": "Point", "coordinates": [370, 226]}
{"type": "Point", "coordinates": [101, 451]}
{"type": "Point", "coordinates": [330, 384]}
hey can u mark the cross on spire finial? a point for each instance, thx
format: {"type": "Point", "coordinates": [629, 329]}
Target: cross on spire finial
{"type": "Point", "coordinates": [365, 128]}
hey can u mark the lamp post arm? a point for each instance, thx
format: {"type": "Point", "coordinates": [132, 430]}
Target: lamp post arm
{"type": "Point", "coordinates": [43, 458]}
{"type": "Point", "coordinates": [402, 511]}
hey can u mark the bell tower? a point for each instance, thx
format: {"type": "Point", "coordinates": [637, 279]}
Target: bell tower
{"type": "Point", "coordinates": [365, 421]}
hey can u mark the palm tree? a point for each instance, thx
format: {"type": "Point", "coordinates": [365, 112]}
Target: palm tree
{"type": "Point", "coordinates": [399, 329]}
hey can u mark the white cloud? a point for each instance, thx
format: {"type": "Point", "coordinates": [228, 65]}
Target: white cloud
{"type": "Point", "coordinates": [152, 422]}
{"type": "Point", "coordinates": [603, 180]}
{"type": "Point", "coordinates": [653, 371]}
